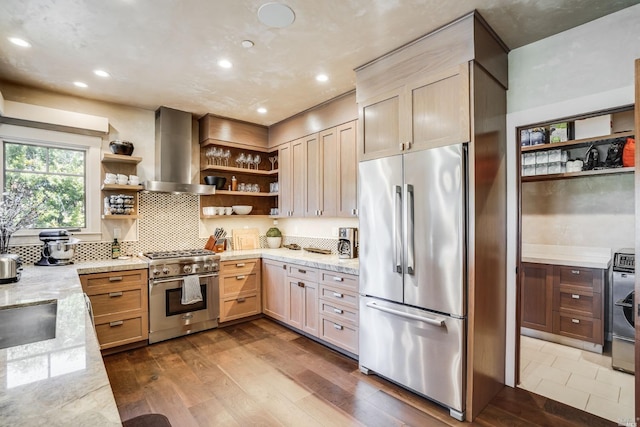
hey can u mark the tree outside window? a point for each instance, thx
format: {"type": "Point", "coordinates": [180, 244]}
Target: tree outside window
{"type": "Point", "coordinates": [56, 174]}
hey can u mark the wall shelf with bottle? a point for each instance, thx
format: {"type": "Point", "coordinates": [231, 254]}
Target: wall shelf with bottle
{"type": "Point", "coordinates": [119, 181]}
{"type": "Point", "coordinates": [581, 146]}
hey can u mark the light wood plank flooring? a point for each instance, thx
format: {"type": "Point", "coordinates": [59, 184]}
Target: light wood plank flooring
{"type": "Point", "coordinates": [261, 373]}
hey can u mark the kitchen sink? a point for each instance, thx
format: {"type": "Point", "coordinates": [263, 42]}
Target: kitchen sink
{"type": "Point", "coordinates": [28, 323]}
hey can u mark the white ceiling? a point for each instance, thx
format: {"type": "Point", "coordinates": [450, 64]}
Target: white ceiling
{"type": "Point", "coordinates": [165, 52]}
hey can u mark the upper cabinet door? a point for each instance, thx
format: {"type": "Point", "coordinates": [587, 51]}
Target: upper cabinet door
{"type": "Point", "coordinates": [440, 109]}
{"type": "Point", "coordinates": [380, 125]}
{"type": "Point", "coordinates": [285, 177]}
{"type": "Point", "coordinates": [347, 185]}
{"type": "Point", "coordinates": [329, 172]}
{"type": "Point", "coordinates": [313, 175]}
{"type": "Point", "coordinates": [298, 177]}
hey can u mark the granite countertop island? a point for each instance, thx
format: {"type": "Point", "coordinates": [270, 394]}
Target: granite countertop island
{"type": "Point", "coordinates": [60, 381]}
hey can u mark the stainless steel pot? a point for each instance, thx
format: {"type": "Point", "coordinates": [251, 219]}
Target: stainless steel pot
{"type": "Point", "coordinates": [10, 268]}
{"type": "Point", "coordinates": [61, 250]}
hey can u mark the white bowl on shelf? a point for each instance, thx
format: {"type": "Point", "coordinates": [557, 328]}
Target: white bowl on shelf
{"type": "Point", "coordinates": [242, 209]}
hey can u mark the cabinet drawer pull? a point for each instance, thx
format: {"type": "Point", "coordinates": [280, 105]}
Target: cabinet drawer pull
{"type": "Point", "coordinates": [302, 271]}
{"type": "Point", "coordinates": [338, 327]}
{"type": "Point", "coordinates": [116, 323]}
{"type": "Point", "coordinates": [115, 294]}
{"type": "Point", "coordinates": [241, 299]}
{"type": "Point", "coordinates": [575, 320]}
{"type": "Point", "coordinates": [338, 279]}
{"type": "Point", "coordinates": [241, 264]}
{"type": "Point", "coordinates": [240, 277]}
{"type": "Point", "coordinates": [337, 295]}
{"type": "Point", "coordinates": [337, 310]}
{"type": "Point", "coordinates": [115, 278]}
{"type": "Point", "coordinates": [575, 271]}
{"type": "Point", "coordinates": [301, 284]}
{"type": "Point", "coordinates": [575, 296]}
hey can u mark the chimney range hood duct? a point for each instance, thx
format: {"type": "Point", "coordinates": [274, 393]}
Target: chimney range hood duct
{"type": "Point", "coordinates": [173, 155]}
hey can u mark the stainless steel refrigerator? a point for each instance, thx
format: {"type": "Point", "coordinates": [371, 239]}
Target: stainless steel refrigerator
{"type": "Point", "coordinates": [413, 281]}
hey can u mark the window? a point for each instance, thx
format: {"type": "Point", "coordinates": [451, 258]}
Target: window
{"type": "Point", "coordinates": [57, 174]}
{"type": "Point", "coordinates": [66, 166]}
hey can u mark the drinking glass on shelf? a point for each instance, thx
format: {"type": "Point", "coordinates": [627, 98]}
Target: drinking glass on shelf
{"type": "Point", "coordinates": [256, 161]}
{"type": "Point", "coordinates": [209, 155]}
{"type": "Point", "coordinates": [226, 156]}
{"type": "Point", "coordinates": [249, 160]}
{"type": "Point", "coordinates": [242, 187]}
{"type": "Point", "coordinates": [240, 160]}
{"type": "Point", "coordinates": [219, 154]}
{"type": "Point", "coordinates": [255, 188]}
{"type": "Point", "coordinates": [273, 160]}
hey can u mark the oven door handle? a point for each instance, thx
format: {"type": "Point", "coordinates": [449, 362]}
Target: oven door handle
{"type": "Point", "coordinates": [158, 281]}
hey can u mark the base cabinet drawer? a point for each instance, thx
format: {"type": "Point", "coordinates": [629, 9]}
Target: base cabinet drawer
{"type": "Point", "coordinates": [577, 301]}
{"type": "Point", "coordinates": [339, 312]}
{"type": "Point", "coordinates": [244, 266]}
{"type": "Point", "coordinates": [124, 331]}
{"type": "Point", "coordinates": [340, 296]}
{"type": "Point", "coordinates": [105, 282]}
{"type": "Point", "coordinates": [338, 333]}
{"type": "Point", "coordinates": [347, 281]}
{"type": "Point", "coordinates": [117, 302]}
{"type": "Point", "coordinates": [239, 307]}
{"type": "Point", "coordinates": [240, 283]}
{"type": "Point", "coordinates": [579, 327]}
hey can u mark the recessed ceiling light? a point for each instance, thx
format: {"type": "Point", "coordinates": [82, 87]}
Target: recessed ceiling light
{"type": "Point", "coordinates": [225, 63]}
{"type": "Point", "coordinates": [101, 73]}
{"type": "Point", "coordinates": [247, 44]}
{"type": "Point", "coordinates": [322, 77]}
{"type": "Point", "coordinates": [19, 42]}
{"type": "Point", "coordinates": [261, 110]}
{"type": "Point", "coordinates": [81, 84]}
{"type": "Point", "coordinates": [276, 15]}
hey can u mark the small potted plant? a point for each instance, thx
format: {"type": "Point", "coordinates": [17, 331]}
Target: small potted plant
{"type": "Point", "coordinates": [274, 238]}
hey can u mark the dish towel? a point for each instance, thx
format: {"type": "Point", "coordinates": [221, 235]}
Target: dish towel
{"type": "Point", "coordinates": [191, 293]}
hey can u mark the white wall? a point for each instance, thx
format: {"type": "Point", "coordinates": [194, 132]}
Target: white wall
{"type": "Point", "coordinates": [584, 69]}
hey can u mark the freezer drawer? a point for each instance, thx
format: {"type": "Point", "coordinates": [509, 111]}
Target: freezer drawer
{"type": "Point", "coordinates": [410, 347]}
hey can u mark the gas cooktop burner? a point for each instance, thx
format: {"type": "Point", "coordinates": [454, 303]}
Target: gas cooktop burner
{"type": "Point", "coordinates": [183, 253]}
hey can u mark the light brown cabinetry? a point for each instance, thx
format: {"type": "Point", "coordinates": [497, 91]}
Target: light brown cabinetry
{"type": "Point", "coordinates": [562, 300]}
{"type": "Point", "coordinates": [536, 296]}
{"type": "Point", "coordinates": [338, 308]}
{"type": "Point", "coordinates": [274, 282]}
{"type": "Point", "coordinates": [292, 181]}
{"type": "Point", "coordinates": [331, 188]}
{"type": "Point", "coordinates": [425, 112]}
{"type": "Point", "coordinates": [240, 290]}
{"type": "Point", "coordinates": [302, 296]}
{"type": "Point", "coordinates": [125, 165]}
{"type": "Point", "coordinates": [120, 306]}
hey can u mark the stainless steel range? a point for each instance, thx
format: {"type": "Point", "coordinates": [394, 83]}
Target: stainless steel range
{"type": "Point", "coordinates": [168, 272]}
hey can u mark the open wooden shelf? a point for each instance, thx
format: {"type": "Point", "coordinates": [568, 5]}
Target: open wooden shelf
{"type": "Point", "coordinates": [550, 177]}
{"type": "Point", "coordinates": [236, 216]}
{"type": "Point", "coordinates": [244, 193]}
{"type": "Point", "coordinates": [238, 171]}
{"type": "Point", "coordinates": [117, 187]}
{"type": "Point", "coordinates": [120, 217]}
{"type": "Point", "coordinates": [576, 143]}
{"type": "Point", "coordinates": [119, 158]}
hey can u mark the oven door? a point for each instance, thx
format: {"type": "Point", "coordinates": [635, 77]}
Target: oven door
{"type": "Point", "coordinates": [169, 318]}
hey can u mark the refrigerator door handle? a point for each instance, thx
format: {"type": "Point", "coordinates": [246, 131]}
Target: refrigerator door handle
{"type": "Point", "coordinates": [434, 320]}
{"type": "Point", "coordinates": [397, 230]}
{"type": "Point", "coordinates": [410, 230]}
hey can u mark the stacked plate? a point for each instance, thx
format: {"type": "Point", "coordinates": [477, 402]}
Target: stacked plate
{"type": "Point", "coordinates": [119, 204]}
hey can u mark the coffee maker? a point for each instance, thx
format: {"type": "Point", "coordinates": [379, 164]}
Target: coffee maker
{"type": "Point", "coordinates": [347, 242]}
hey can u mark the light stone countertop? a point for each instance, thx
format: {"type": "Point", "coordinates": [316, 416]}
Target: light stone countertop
{"type": "Point", "coordinates": [301, 257]}
{"type": "Point", "coordinates": [60, 381]}
{"type": "Point", "coordinates": [572, 256]}
{"type": "Point", "coordinates": [63, 381]}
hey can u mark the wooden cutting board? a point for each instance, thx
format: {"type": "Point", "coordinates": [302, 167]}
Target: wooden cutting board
{"type": "Point", "coordinates": [245, 238]}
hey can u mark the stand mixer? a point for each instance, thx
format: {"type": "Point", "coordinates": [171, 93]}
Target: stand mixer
{"type": "Point", "coordinates": [59, 247]}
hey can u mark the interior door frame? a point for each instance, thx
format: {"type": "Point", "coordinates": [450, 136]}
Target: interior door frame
{"type": "Point", "coordinates": [636, 180]}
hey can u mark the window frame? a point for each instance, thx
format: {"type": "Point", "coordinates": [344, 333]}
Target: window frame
{"type": "Point", "coordinates": [92, 145]}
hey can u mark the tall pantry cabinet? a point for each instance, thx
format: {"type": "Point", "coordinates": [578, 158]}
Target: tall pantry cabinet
{"type": "Point", "coordinates": [445, 88]}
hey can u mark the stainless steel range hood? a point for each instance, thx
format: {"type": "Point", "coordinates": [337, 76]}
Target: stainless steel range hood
{"type": "Point", "coordinates": [173, 155]}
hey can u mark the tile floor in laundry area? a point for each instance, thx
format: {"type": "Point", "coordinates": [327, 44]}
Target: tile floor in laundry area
{"type": "Point", "coordinates": [577, 378]}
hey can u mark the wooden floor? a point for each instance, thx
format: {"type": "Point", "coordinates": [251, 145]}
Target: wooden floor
{"type": "Point", "coordinates": [261, 373]}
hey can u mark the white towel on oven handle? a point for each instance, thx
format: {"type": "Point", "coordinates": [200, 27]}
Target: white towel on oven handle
{"type": "Point", "coordinates": [191, 292]}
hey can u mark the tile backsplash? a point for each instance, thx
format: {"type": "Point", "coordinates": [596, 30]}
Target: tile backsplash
{"type": "Point", "coordinates": [167, 222]}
